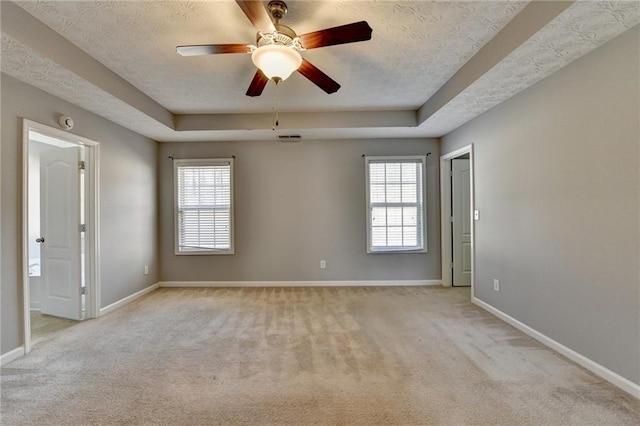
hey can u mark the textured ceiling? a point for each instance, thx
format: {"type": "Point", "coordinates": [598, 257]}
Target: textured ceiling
{"type": "Point", "coordinates": [580, 29]}
{"type": "Point", "coordinates": [416, 49]}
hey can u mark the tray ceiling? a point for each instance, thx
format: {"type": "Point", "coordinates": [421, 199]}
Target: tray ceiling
{"type": "Point", "coordinates": [412, 60]}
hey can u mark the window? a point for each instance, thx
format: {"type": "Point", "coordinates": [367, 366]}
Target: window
{"type": "Point", "coordinates": [395, 204]}
{"type": "Point", "coordinates": [204, 206]}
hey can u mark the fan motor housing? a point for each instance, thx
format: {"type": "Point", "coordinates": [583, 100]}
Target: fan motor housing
{"type": "Point", "coordinates": [283, 35]}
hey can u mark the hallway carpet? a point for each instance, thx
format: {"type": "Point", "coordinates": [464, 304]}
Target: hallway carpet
{"type": "Point", "coordinates": [46, 327]}
{"type": "Point", "coordinates": [304, 356]}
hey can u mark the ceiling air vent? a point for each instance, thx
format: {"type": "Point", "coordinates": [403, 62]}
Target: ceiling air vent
{"type": "Point", "coordinates": [289, 138]}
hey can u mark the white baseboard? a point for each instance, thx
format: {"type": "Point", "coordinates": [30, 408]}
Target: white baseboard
{"type": "Point", "coordinates": [35, 306]}
{"type": "Point", "coordinates": [12, 355]}
{"type": "Point", "coordinates": [597, 369]}
{"type": "Point", "coordinates": [112, 307]}
{"type": "Point", "coordinates": [377, 283]}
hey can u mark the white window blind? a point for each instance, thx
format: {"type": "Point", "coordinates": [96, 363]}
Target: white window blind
{"type": "Point", "coordinates": [395, 204]}
{"type": "Point", "coordinates": [204, 206]}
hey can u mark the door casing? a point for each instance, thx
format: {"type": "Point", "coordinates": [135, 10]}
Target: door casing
{"type": "Point", "coordinates": [445, 222]}
{"type": "Point", "coordinates": [92, 235]}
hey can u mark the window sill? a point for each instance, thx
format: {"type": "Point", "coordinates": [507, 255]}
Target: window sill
{"type": "Point", "coordinates": [204, 253]}
{"type": "Point", "coordinates": [418, 251]}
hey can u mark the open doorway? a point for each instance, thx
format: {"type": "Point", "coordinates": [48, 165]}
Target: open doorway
{"type": "Point", "coordinates": [60, 231]}
{"type": "Point", "coordinates": [457, 218]}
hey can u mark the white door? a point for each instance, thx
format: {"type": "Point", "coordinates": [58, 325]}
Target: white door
{"type": "Point", "coordinates": [461, 206]}
{"type": "Point", "coordinates": [60, 230]}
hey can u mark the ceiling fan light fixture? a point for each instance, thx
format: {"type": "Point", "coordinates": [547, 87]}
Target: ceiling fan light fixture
{"type": "Point", "coordinates": [277, 62]}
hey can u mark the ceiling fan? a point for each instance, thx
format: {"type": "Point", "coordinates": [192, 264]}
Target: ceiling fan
{"type": "Point", "coordinates": [277, 54]}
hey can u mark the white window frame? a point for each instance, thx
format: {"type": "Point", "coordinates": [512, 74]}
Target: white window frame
{"type": "Point", "coordinates": [422, 159]}
{"type": "Point", "coordinates": [202, 162]}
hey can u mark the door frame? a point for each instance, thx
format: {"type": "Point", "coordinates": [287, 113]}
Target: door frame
{"type": "Point", "coordinates": [445, 221]}
{"type": "Point", "coordinates": [92, 235]}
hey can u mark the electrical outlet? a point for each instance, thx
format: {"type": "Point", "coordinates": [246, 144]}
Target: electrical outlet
{"type": "Point", "coordinates": [323, 264]}
{"type": "Point", "coordinates": [146, 269]}
{"type": "Point", "coordinates": [496, 285]}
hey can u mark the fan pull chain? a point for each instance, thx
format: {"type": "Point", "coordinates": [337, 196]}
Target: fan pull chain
{"type": "Point", "coordinates": [276, 121]}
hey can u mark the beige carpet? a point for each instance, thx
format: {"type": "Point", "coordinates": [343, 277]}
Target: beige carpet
{"type": "Point", "coordinates": [46, 327]}
{"type": "Point", "coordinates": [302, 356]}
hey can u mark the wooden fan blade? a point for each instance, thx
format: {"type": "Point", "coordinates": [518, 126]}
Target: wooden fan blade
{"type": "Point", "coordinates": [212, 49]}
{"type": "Point", "coordinates": [317, 77]}
{"type": "Point", "coordinates": [258, 15]}
{"type": "Point", "coordinates": [257, 84]}
{"type": "Point", "coordinates": [350, 33]}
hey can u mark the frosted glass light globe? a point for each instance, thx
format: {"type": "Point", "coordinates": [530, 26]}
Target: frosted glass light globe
{"type": "Point", "coordinates": [277, 62]}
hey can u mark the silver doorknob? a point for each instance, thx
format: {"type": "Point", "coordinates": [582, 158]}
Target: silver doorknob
{"type": "Point", "coordinates": [40, 240]}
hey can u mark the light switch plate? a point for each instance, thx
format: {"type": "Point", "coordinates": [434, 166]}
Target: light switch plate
{"type": "Point", "coordinates": [476, 215]}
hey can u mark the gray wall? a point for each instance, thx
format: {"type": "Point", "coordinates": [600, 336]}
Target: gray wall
{"type": "Point", "coordinates": [557, 186]}
{"type": "Point", "coordinates": [296, 204]}
{"type": "Point", "coordinates": [128, 200]}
